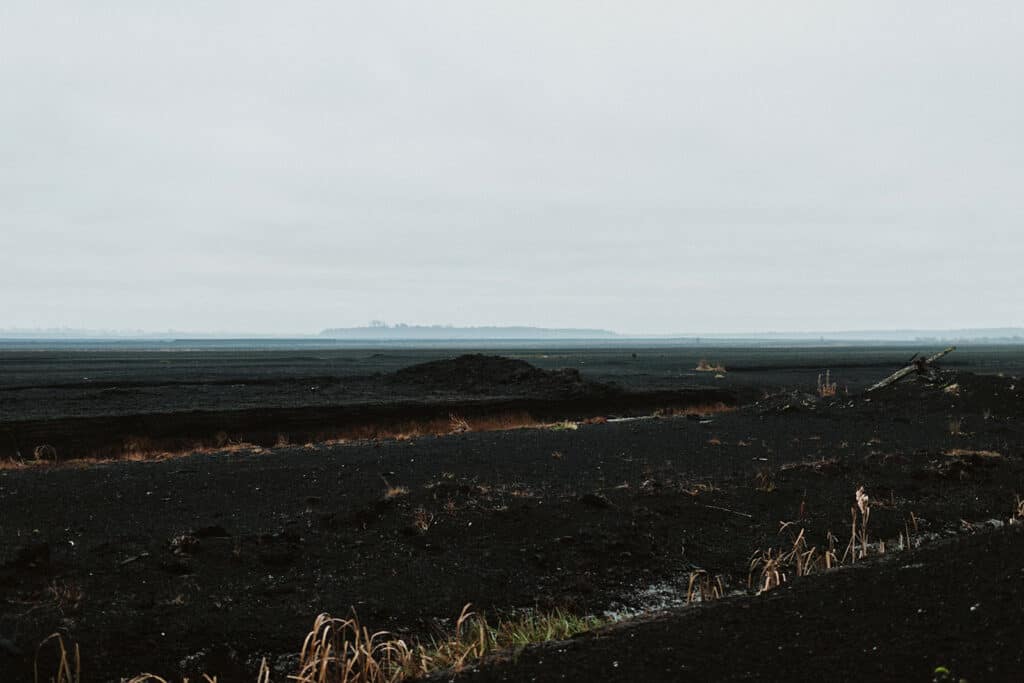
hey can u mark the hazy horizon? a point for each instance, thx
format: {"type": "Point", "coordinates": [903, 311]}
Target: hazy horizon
{"type": "Point", "coordinates": [647, 168]}
{"type": "Point", "coordinates": [496, 333]}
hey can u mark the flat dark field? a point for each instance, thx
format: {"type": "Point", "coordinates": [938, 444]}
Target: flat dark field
{"type": "Point", "coordinates": [211, 561]}
{"type": "Point", "coordinates": [38, 381]}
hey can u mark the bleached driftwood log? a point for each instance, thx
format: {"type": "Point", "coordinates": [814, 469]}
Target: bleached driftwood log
{"type": "Point", "coordinates": [921, 366]}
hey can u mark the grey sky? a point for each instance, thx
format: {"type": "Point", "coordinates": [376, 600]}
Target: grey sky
{"type": "Point", "coordinates": [642, 166]}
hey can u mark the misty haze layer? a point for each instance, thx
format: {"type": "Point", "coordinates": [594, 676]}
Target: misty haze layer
{"type": "Point", "coordinates": [642, 167]}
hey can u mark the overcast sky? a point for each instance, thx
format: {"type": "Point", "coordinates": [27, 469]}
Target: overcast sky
{"type": "Point", "coordinates": [640, 166]}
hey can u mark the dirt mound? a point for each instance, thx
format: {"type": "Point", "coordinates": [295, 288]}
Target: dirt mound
{"type": "Point", "coordinates": [479, 374]}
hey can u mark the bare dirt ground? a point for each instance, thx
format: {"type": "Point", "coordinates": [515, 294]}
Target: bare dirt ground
{"type": "Point", "coordinates": [211, 562]}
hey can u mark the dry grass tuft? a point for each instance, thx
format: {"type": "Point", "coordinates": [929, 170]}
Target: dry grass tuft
{"type": "Point", "coordinates": [697, 489]}
{"type": "Point", "coordinates": [705, 366]}
{"type": "Point", "coordinates": [422, 519]}
{"type": "Point", "coordinates": [826, 387]}
{"type": "Point", "coordinates": [860, 513]}
{"type": "Point", "coordinates": [764, 481]}
{"type": "Point", "coordinates": [66, 596]}
{"type": "Point", "coordinates": [967, 452]}
{"type": "Point", "coordinates": [473, 637]}
{"type": "Point", "coordinates": [703, 587]}
{"type": "Point", "coordinates": [906, 539]}
{"type": "Point", "coordinates": [45, 453]}
{"type": "Point", "coordinates": [701, 409]}
{"type": "Point", "coordinates": [346, 651]}
{"type": "Point", "coordinates": [395, 492]}
{"type": "Point", "coordinates": [135, 451]}
{"type": "Point", "coordinates": [773, 566]}
{"type": "Point", "coordinates": [69, 664]}
{"type": "Point", "coordinates": [459, 425]}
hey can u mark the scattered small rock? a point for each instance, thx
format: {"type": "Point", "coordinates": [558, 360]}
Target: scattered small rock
{"type": "Point", "coordinates": [179, 567]}
{"type": "Point", "coordinates": [185, 544]}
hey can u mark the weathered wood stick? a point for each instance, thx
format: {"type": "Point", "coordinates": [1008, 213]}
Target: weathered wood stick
{"type": "Point", "coordinates": [735, 512]}
{"type": "Point", "coordinates": [916, 366]}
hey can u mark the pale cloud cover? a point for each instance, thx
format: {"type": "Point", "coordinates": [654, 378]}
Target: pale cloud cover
{"type": "Point", "coordinates": [645, 166]}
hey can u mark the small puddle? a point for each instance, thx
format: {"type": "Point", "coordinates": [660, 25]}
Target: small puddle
{"type": "Point", "coordinates": [658, 597]}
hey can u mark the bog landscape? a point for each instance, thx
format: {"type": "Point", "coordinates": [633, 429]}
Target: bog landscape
{"type": "Point", "coordinates": [611, 513]}
{"type": "Point", "coordinates": [628, 342]}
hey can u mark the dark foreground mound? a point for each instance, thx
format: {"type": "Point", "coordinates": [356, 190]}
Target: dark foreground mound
{"type": "Point", "coordinates": [481, 374]}
{"type": "Point", "coordinates": [956, 605]}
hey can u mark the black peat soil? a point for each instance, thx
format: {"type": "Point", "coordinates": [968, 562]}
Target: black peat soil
{"type": "Point", "coordinates": [144, 416]}
{"type": "Point", "coordinates": [212, 562]}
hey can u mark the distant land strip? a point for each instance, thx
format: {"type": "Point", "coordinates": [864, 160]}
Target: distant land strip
{"type": "Point", "coordinates": [444, 332]}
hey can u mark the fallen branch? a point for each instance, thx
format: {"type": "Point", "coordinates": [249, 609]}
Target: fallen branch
{"type": "Point", "coordinates": [718, 507]}
{"type": "Point", "coordinates": [134, 558]}
{"type": "Point", "coordinates": [920, 366]}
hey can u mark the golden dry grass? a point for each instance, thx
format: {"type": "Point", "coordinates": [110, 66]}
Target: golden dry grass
{"type": "Point", "coordinates": [138, 449]}
{"type": "Point", "coordinates": [700, 409]}
{"type": "Point", "coordinates": [764, 480]}
{"type": "Point", "coordinates": [703, 587]}
{"type": "Point", "coordinates": [826, 387]}
{"type": "Point", "coordinates": [699, 488]}
{"type": "Point", "coordinates": [967, 452]}
{"type": "Point", "coordinates": [422, 519]}
{"type": "Point", "coordinates": [705, 365]}
{"type": "Point", "coordinates": [773, 566]}
{"type": "Point", "coordinates": [137, 454]}
{"type": "Point", "coordinates": [346, 651]}
{"type": "Point", "coordinates": [860, 513]}
{"type": "Point", "coordinates": [69, 661]}
{"type": "Point", "coordinates": [395, 491]}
